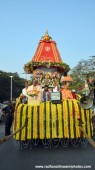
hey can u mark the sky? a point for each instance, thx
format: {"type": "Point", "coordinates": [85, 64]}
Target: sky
{"type": "Point", "coordinates": [71, 23]}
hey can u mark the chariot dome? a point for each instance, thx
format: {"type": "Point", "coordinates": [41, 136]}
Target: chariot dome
{"type": "Point", "coordinates": [47, 62]}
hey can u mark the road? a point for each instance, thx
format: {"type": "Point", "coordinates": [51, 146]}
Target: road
{"type": "Point", "coordinates": [27, 159]}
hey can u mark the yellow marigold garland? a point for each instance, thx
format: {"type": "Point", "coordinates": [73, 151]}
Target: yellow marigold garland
{"type": "Point", "coordinates": [48, 120]}
{"type": "Point", "coordinates": [23, 121]}
{"type": "Point", "coordinates": [88, 122]}
{"type": "Point", "coordinates": [77, 116]}
{"type": "Point", "coordinates": [66, 133]}
{"type": "Point", "coordinates": [18, 121]}
{"type": "Point", "coordinates": [83, 121]}
{"type": "Point", "coordinates": [56, 115]}
{"type": "Point", "coordinates": [54, 118]}
{"type": "Point", "coordinates": [91, 124]}
{"type": "Point", "coordinates": [35, 123]}
{"type": "Point", "coordinates": [29, 123]}
{"type": "Point", "coordinates": [41, 121]}
{"type": "Point", "coordinates": [59, 107]}
{"type": "Point", "coordinates": [71, 119]}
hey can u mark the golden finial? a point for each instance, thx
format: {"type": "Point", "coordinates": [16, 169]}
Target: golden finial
{"type": "Point", "coordinates": [46, 33]}
{"type": "Point", "coordinates": [46, 36]}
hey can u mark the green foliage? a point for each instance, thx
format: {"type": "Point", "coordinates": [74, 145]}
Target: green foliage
{"type": "Point", "coordinates": [85, 69]}
{"type": "Point", "coordinates": [5, 85]}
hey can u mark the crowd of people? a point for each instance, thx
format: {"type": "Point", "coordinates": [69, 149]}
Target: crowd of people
{"type": "Point", "coordinates": [44, 94]}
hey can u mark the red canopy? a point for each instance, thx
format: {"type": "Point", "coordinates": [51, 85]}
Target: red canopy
{"type": "Point", "coordinates": [47, 51]}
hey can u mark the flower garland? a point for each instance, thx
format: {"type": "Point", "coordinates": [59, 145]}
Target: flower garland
{"type": "Point", "coordinates": [23, 120]}
{"type": "Point", "coordinates": [48, 120]}
{"type": "Point", "coordinates": [66, 129]}
{"type": "Point", "coordinates": [41, 121]}
{"type": "Point", "coordinates": [18, 118]}
{"type": "Point", "coordinates": [56, 115]}
{"type": "Point", "coordinates": [30, 66]}
{"type": "Point", "coordinates": [88, 124]}
{"type": "Point", "coordinates": [71, 119]}
{"type": "Point", "coordinates": [77, 116]}
{"type": "Point", "coordinates": [53, 113]}
{"type": "Point", "coordinates": [29, 126]}
{"type": "Point", "coordinates": [59, 107]}
{"type": "Point", "coordinates": [35, 123]}
{"type": "Point", "coordinates": [83, 120]}
{"type": "Point", "coordinates": [33, 93]}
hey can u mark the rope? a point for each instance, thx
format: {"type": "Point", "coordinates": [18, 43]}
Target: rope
{"type": "Point", "coordinates": [2, 140]}
{"type": "Point", "coordinates": [87, 137]}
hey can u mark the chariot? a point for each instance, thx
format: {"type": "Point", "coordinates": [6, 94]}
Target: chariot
{"type": "Point", "coordinates": [51, 123]}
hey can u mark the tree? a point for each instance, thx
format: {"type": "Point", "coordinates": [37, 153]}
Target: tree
{"type": "Point", "coordinates": [5, 83]}
{"type": "Point", "coordinates": [84, 70]}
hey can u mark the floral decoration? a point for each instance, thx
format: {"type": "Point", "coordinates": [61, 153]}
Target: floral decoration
{"type": "Point", "coordinates": [32, 65]}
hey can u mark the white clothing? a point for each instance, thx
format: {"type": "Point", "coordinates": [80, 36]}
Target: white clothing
{"type": "Point", "coordinates": [55, 89]}
{"type": "Point", "coordinates": [24, 92]}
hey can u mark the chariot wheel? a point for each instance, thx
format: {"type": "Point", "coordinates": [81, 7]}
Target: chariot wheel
{"type": "Point", "coordinates": [65, 142]}
{"type": "Point", "coordinates": [46, 143]}
{"type": "Point", "coordinates": [84, 142]}
{"type": "Point", "coordinates": [55, 142]}
{"type": "Point", "coordinates": [25, 144]}
{"type": "Point", "coordinates": [75, 142]}
{"type": "Point", "coordinates": [35, 142]}
{"type": "Point", "coordinates": [17, 144]}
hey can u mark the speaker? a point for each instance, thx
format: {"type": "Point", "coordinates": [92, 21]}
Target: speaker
{"type": "Point", "coordinates": [86, 102]}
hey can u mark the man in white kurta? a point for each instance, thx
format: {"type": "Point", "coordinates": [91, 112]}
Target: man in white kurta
{"type": "Point", "coordinates": [34, 92]}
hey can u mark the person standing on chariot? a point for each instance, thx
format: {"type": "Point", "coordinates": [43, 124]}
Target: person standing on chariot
{"type": "Point", "coordinates": [24, 96]}
{"type": "Point", "coordinates": [34, 91]}
{"type": "Point", "coordinates": [24, 91]}
{"type": "Point", "coordinates": [74, 93]}
{"type": "Point", "coordinates": [66, 93]}
{"type": "Point", "coordinates": [56, 88]}
{"type": "Point", "coordinates": [46, 95]}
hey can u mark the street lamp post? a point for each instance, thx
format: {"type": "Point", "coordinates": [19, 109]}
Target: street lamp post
{"type": "Point", "coordinates": [11, 89]}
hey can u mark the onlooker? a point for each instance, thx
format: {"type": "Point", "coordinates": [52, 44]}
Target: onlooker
{"type": "Point", "coordinates": [9, 111]}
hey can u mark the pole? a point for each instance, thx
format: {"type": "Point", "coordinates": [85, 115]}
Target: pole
{"type": "Point", "coordinates": [11, 89]}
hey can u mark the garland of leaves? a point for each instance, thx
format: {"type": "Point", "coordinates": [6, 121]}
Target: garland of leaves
{"type": "Point", "coordinates": [32, 65]}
